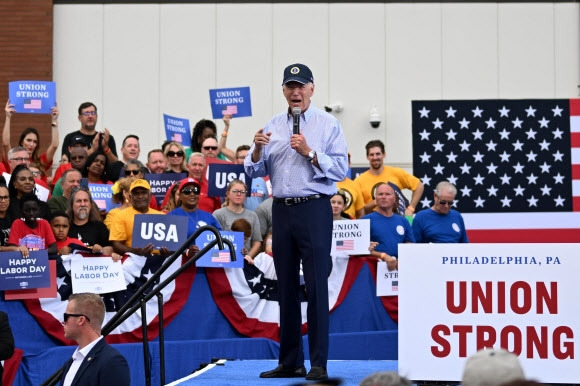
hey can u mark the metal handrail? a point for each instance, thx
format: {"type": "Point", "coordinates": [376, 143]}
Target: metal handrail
{"type": "Point", "coordinates": [128, 309]}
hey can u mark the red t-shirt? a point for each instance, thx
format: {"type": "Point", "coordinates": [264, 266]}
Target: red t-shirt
{"type": "Point", "coordinates": [35, 239]}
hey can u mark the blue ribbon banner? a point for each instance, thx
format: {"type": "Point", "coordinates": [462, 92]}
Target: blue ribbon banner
{"type": "Point", "coordinates": [103, 196]}
{"type": "Point", "coordinates": [221, 259]}
{"type": "Point", "coordinates": [220, 175]}
{"type": "Point", "coordinates": [160, 230]}
{"type": "Point", "coordinates": [233, 101]}
{"type": "Point", "coordinates": [32, 96]}
{"type": "Point", "coordinates": [19, 273]}
{"type": "Point", "coordinates": [177, 129]}
{"type": "Point", "coordinates": [161, 182]}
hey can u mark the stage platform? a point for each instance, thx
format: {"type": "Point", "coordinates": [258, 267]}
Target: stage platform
{"type": "Point", "coordinates": [246, 373]}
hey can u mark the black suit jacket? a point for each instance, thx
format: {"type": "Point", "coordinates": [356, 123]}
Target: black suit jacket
{"type": "Point", "coordinates": [6, 341]}
{"type": "Point", "coordinates": [103, 366]}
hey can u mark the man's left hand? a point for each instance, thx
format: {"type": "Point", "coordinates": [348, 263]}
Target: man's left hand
{"type": "Point", "coordinates": [298, 143]}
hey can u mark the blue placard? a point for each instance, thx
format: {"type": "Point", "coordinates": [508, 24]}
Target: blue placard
{"type": "Point", "coordinates": [19, 273]}
{"type": "Point", "coordinates": [217, 258]}
{"type": "Point", "coordinates": [220, 175]}
{"type": "Point", "coordinates": [357, 171]}
{"type": "Point", "coordinates": [160, 230]}
{"type": "Point", "coordinates": [177, 129]}
{"type": "Point", "coordinates": [160, 182]}
{"type": "Point", "coordinates": [103, 196]}
{"type": "Point", "coordinates": [233, 101]}
{"type": "Point", "coordinates": [32, 96]}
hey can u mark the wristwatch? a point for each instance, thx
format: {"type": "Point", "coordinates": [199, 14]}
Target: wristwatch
{"type": "Point", "coordinates": [311, 155]}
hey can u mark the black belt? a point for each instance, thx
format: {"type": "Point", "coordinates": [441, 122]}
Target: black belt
{"type": "Point", "coordinates": [297, 200]}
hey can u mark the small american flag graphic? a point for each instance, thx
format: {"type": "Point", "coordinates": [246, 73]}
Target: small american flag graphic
{"type": "Point", "coordinates": [230, 110]}
{"type": "Point", "coordinates": [344, 245]}
{"type": "Point", "coordinates": [395, 285]}
{"type": "Point", "coordinates": [176, 137]}
{"type": "Point", "coordinates": [220, 257]}
{"type": "Point", "coordinates": [32, 103]}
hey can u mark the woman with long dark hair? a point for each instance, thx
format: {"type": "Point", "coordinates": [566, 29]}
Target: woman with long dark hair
{"type": "Point", "coordinates": [96, 168]}
{"type": "Point", "coordinates": [30, 140]}
{"type": "Point", "coordinates": [203, 130]}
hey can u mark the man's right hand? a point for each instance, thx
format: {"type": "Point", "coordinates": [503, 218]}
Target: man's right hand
{"type": "Point", "coordinates": [260, 140]}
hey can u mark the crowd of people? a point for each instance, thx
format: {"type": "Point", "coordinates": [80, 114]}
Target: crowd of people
{"type": "Point", "coordinates": [298, 187]}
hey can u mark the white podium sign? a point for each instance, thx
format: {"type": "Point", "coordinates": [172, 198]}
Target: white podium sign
{"type": "Point", "coordinates": [459, 298]}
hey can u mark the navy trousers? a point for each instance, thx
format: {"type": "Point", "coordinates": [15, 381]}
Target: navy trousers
{"type": "Point", "coordinates": [303, 232]}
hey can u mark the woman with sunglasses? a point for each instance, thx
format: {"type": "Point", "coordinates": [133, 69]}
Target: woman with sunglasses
{"type": "Point", "coordinates": [233, 209]}
{"type": "Point", "coordinates": [189, 190]}
{"type": "Point", "coordinates": [22, 182]}
{"type": "Point", "coordinates": [96, 168]}
{"type": "Point", "coordinates": [175, 155]}
{"type": "Point", "coordinates": [30, 140]}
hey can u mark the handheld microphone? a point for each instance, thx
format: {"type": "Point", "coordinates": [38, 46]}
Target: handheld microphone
{"type": "Point", "coordinates": [296, 115]}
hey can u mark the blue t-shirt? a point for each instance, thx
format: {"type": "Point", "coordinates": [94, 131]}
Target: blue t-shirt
{"type": "Point", "coordinates": [389, 232]}
{"type": "Point", "coordinates": [259, 194]}
{"type": "Point", "coordinates": [432, 227]}
{"type": "Point", "coordinates": [196, 219]}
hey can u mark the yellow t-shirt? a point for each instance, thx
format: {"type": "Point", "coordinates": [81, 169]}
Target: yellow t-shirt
{"type": "Point", "coordinates": [122, 227]}
{"type": "Point", "coordinates": [354, 198]}
{"type": "Point", "coordinates": [368, 182]}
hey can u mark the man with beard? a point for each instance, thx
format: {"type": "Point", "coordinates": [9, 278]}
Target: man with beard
{"type": "Point", "coordinates": [85, 221]}
{"type": "Point", "coordinates": [88, 119]}
{"type": "Point", "coordinates": [122, 229]}
{"type": "Point", "coordinates": [156, 162]}
{"type": "Point", "coordinates": [378, 172]}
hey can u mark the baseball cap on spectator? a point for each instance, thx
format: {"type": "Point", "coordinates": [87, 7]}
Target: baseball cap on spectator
{"type": "Point", "coordinates": [140, 183]}
{"type": "Point", "coordinates": [297, 73]}
{"type": "Point", "coordinates": [490, 367]}
{"type": "Point", "coordinates": [188, 181]}
{"type": "Point", "coordinates": [78, 139]}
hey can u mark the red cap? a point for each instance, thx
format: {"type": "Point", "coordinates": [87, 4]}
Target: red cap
{"type": "Point", "coordinates": [188, 181]}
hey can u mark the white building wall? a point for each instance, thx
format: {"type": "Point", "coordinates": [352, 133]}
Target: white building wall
{"type": "Point", "coordinates": [136, 62]}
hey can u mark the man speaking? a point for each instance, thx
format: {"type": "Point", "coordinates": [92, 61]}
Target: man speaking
{"type": "Point", "coordinates": [303, 150]}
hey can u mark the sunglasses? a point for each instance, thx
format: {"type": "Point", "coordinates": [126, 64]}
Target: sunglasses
{"type": "Point", "coordinates": [133, 172]}
{"type": "Point", "coordinates": [172, 153]}
{"type": "Point", "coordinates": [210, 148]}
{"type": "Point", "coordinates": [443, 202]}
{"type": "Point", "coordinates": [190, 191]}
{"type": "Point", "coordinates": [4, 198]}
{"type": "Point", "coordinates": [80, 157]}
{"type": "Point", "coordinates": [66, 316]}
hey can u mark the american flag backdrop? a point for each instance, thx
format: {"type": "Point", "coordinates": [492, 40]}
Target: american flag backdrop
{"type": "Point", "coordinates": [515, 163]}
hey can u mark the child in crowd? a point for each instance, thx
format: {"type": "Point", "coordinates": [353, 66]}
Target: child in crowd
{"type": "Point", "coordinates": [32, 232]}
{"type": "Point", "coordinates": [60, 226]}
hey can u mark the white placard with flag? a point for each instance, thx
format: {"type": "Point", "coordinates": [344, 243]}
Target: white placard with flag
{"type": "Point", "coordinates": [387, 281]}
{"type": "Point", "coordinates": [100, 275]}
{"type": "Point", "coordinates": [351, 237]}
